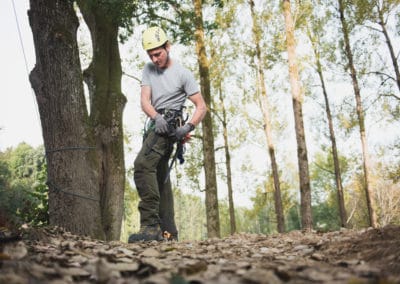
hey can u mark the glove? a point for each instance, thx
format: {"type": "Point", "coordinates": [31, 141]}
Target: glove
{"type": "Point", "coordinates": [181, 132]}
{"type": "Point", "coordinates": [161, 124]}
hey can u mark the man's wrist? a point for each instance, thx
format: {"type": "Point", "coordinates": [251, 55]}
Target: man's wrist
{"type": "Point", "coordinates": [191, 126]}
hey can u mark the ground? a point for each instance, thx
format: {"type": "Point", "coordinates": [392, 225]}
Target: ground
{"type": "Point", "coordinates": [52, 255]}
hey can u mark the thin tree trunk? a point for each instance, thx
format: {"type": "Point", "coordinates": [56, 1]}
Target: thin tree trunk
{"type": "Point", "coordinates": [360, 114]}
{"type": "Point", "coordinates": [212, 210]}
{"type": "Point", "coordinates": [304, 177]}
{"type": "Point", "coordinates": [103, 78]}
{"type": "Point", "coordinates": [267, 129]}
{"type": "Point", "coordinates": [70, 148]}
{"type": "Point", "coordinates": [382, 23]}
{"type": "Point", "coordinates": [228, 165]}
{"type": "Point", "coordinates": [338, 175]}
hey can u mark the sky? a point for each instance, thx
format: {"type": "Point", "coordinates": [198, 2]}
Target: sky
{"type": "Point", "coordinates": [19, 117]}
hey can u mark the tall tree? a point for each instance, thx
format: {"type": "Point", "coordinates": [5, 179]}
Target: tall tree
{"type": "Point", "coordinates": [86, 172]}
{"type": "Point", "coordinates": [221, 69]}
{"type": "Point", "coordinates": [57, 81]}
{"type": "Point", "coordinates": [360, 114]}
{"type": "Point", "coordinates": [267, 123]}
{"type": "Point", "coordinates": [228, 162]}
{"type": "Point", "coordinates": [377, 12]}
{"type": "Point", "coordinates": [213, 226]}
{"type": "Point", "coordinates": [297, 99]}
{"type": "Point", "coordinates": [103, 77]}
{"type": "Point", "coordinates": [314, 34]}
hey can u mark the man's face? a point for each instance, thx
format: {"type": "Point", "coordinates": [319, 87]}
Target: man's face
{"type": "Point", "coordinates": [159, 56]}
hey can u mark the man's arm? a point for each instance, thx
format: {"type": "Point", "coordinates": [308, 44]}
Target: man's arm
{"type": "Point", "coordinates": [161, 126]}
{"type": "Point", "coordinates": [200, 108]}
{"type": "Point", "coordinates": [145, 102]}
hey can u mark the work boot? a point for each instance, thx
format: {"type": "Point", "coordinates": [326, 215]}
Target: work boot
{"type": "Point", "coordinates": [147, 233]}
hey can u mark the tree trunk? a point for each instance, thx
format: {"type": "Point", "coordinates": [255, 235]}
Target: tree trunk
{"type": "Point", "coordinates": [382, 23]}
{"type": "Point", "coordinates": [72, 170]}
{"type": "Point", "coordinates": [267, 125]}
{"type": "Point", "coordinates": [338, 175]}
{"type": "Point", "coordinates": [212, 211]}
{"type": "Point", "coordinates": [304, 177]}
{"type": "Point", "coordinates": [360, 114]}
{"type": "Point", "coordinates": [103, 78]}
{"type": "Point", "coordinates": [232, 217]}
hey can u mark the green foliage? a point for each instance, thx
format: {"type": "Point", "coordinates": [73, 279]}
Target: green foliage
{"type": "Point", "coordinates": [392, 170]}
{"type": "Point", "coordinates": [261, 218]}
{"type": "Point", "coordinates": [293, 218]}
{"type": "Point", "coordinates": [131, 220]}
{"type": "Point", "coordinates": [5, 173]}
{"type": "Point", "coordinates": [175, 17]}
{"type": "Point", "coordinates": [40, 197]}
{"type": "Point", "coordinates": [190, 216]}
{"type": "Point", "coordinates": [326, 214]}
{"type": "Point", "coordinates": [23, 191]}
{"type": "Point", "coordinates": [324, 195]}
{"type": "Point", "coordinates": [119, 10]}
{"type": "Point", "coordinates": [193, 164]}
{"type": "Point", "coordinates": [223, 207]}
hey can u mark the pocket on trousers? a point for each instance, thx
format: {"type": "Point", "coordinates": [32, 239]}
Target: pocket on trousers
{"type": "Point", "coordinates": [156, 143]}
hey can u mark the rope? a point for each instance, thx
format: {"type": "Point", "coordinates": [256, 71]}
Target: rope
{"type": "Point", "coordinates": [70, 149]}
{"type": "Point", "coordinates": [25, 60]}
{"type": "Point", "coordinates": [20, 38]}
{"type": "Point", "coordinates": [56, 189]}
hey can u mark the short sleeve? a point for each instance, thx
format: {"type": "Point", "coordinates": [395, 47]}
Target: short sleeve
{"type": "Point", "coordinates": [146, 75]}
{"type": "Point", "coordinates": [190, 86]}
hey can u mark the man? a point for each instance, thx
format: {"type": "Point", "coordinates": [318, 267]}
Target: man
{"type": "Point", "coordinates": [165, 86]}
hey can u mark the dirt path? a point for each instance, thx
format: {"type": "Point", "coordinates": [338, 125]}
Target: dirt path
{"type": "Point", "coordinates": [346, 256]}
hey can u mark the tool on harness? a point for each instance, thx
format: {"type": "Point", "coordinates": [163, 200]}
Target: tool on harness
{"type": "Point", "coordinates": [174, 119]}
{"type": "Point", "coordinates": [180, 147]}
{"type": "Point", "coordinates": [179, 152]}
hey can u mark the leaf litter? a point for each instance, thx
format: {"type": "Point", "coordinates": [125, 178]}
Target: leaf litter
{"type": "Point", "coordinates": [53, 255]}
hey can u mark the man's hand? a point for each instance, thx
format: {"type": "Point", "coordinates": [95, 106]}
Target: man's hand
{"type": "Point", "coordinates": [181, 132]}
{"type": "Point", "coordinates": [161, 124]}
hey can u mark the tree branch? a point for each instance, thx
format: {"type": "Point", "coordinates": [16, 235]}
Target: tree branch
{"type": "Point", "coordinates": [131, 76]}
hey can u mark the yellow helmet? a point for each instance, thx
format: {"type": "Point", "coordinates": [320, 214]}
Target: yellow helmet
{"type": "Point", "coordinates": [153, 37]}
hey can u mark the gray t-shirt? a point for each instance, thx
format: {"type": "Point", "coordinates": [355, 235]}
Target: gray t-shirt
{"type": "Point", "coordinates": [169, 87]}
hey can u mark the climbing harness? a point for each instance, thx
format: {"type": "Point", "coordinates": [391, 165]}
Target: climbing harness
{"type": "Point", "coordinates": [175, 119]}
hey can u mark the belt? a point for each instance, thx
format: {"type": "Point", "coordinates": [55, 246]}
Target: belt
{"type": "Point", "coordinates": [167, 110]}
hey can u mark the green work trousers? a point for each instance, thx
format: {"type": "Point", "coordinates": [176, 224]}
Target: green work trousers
{"type": "Point", "coordinates": [156, 205]}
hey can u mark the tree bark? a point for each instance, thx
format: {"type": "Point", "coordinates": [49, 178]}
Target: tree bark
{"type": "Point", "coordinates": [69, 142]}
{"type": "Point", "coordinates": [267, 125]}
{"type": "Point", "coordinates": [360, 115]}
{"type": "Point", "coordinates": [103, 78]}
{"type": "Point", "coordinates": [86, 172]}
{"type": "Point", "coordinates": [212, 210]}
{"type": "Point", "coordinates": [297, 100]}
{"type": "Point", "coordinates": [232, 217]}
{"type": "Point", "coordinates": [382, 23]}
{"type": "Point", "coordinates": [338, 175]}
